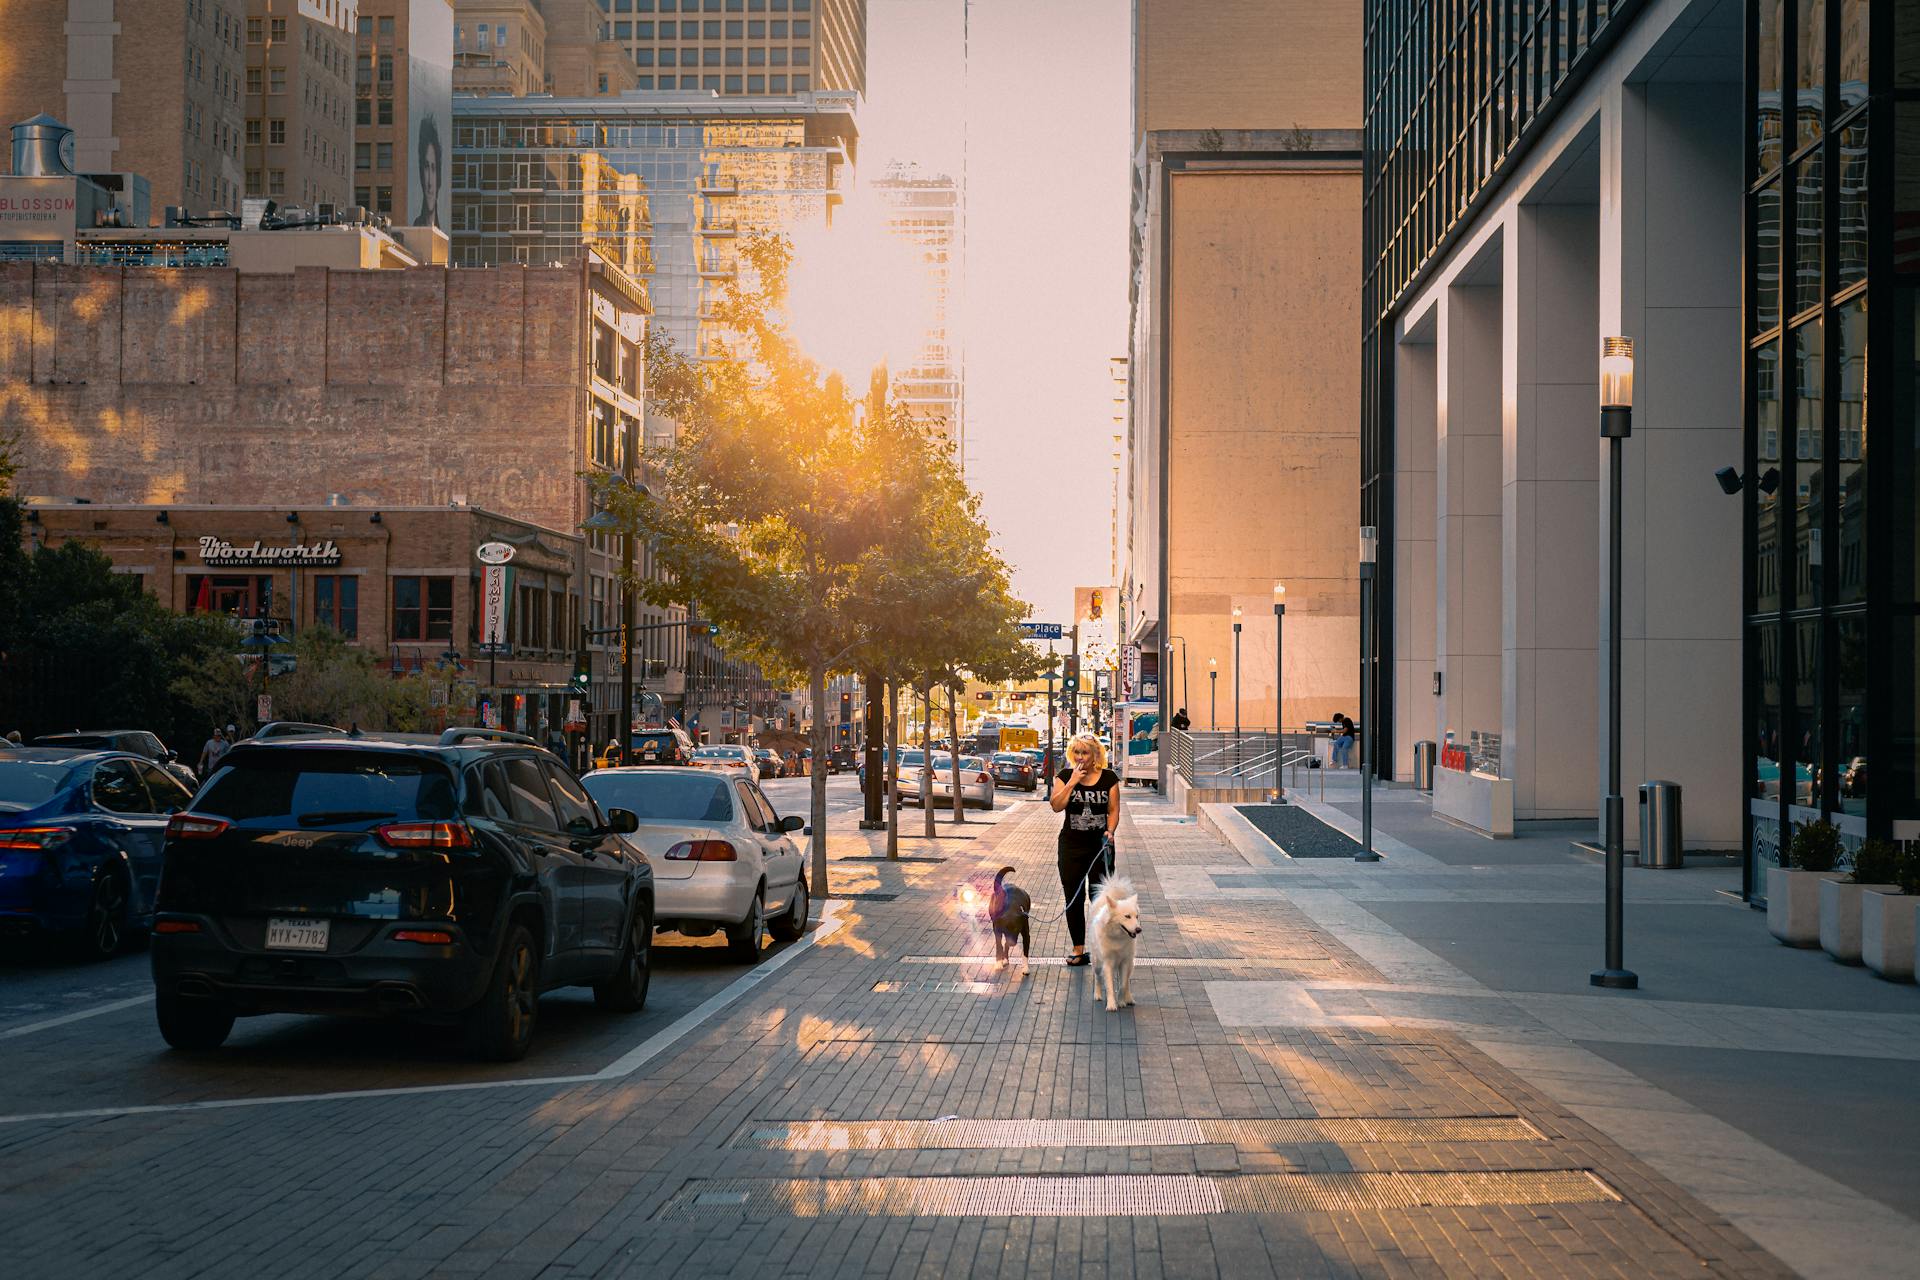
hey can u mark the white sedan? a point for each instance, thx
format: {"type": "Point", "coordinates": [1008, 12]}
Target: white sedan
{"type": "Point", "coordinates": [722, 858]}
{"type": "Point", "coordinates": [976, 784]}
{"type": "Point", "coordinates": [729, 757]}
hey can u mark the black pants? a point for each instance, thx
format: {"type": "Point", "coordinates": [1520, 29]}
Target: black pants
{"type": "Point", "coordinates": [1080, 861]}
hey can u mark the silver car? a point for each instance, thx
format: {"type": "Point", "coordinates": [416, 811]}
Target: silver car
{"type": "Point", "coordinates": [722, 858]}
{"type": "Point", "coordinates": [728, 757]}
{"type": "Point", "coordinates": [976, 782]}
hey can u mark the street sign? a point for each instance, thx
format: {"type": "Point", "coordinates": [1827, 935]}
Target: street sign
{"type": "Point", "coordinates": [263, 709]}
{"type": "Point", "coordinates": [1042, 630]}
{"type": "Point", "coordinates": [493, 610]}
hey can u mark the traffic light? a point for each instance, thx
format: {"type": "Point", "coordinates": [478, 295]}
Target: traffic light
{"type": "Point", "coordinates": [582, 679]}
{"type": "Point", "coordinates": [846, 706]}
{"type": "Point", "coordinates": [1070, 681]}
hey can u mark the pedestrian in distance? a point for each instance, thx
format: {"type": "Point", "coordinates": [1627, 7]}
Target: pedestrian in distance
{"type": "Point", "coordinates": [1180, 720]}
{"type": "Point", "coordinates": [1088, 793]}
{"type": "Point", "coordinates": [211, 751]}
{"type": "Point", "coordinates": [1343, 734]}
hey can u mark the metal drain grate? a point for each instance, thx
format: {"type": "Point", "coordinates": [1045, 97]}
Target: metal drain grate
{"type": "Point", "coordinates": [932, 1135]}
{"type": "Point", "coordinates": [881, 857]}
{"type": "Point", "coordinates": [938, 987]}
{"type": "Point", "coordinates": [1132, 1195]}
{"type": "Point", "coordinates": [862, 897]}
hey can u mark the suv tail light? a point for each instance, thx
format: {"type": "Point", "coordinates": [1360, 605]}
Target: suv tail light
{"type": "Point", "coordinates": [429, 937]}
{"type": "Point", "coordinates": [35, 837]}
{"type": "Point", "coordinates": [702, 851]}
{"type": "Point", "coordinates": [425, 835]}
{"type": "Point", "coordinates": [195, 826]}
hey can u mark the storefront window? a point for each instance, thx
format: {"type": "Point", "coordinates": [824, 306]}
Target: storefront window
{"type": "Point", "coordinates": [1809, 222]}
{"type": "Point", "coordinates": [336, 603]}
{"type": "Point", "coordinates": [1850, 391]}
{"type": "Point", "coordinates": [1809, 429]}
{"type": "Point", "coordinates": [1807, 753]}
{"type": "Point", "coordinates": [1767, 84]}
{"type": "Point", "coordinates": [422, 608]}
{"type": "Point", "coordinates": [1811, 67]}
{"type": "Point", "coordinates": [1765, 783]}
{"type": "Point", "coordinates": [1850, 728]}
{"type": "Point", "coordinates": [1767, 417]}
{"type": "Point", "coordinates": [236, 595]}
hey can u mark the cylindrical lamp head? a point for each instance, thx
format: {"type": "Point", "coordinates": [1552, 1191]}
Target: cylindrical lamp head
{"type": "Point", "coordinates": [1616, 373]}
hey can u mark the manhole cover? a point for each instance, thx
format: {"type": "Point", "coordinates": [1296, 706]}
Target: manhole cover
{"type": "Point", "coordinates": [1128, 1195]}
{"type": "Point", "coordinates": [958, 1134]}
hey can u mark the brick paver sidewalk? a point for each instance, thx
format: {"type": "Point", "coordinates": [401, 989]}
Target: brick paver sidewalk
{"type": "Point", "coordinates": [1031, 1132]}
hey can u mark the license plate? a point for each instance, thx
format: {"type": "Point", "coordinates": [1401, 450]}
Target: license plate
{"type": "Point", "coordinates": [297, 935]}
{"type": "Point", "coordinates": [647, 755]}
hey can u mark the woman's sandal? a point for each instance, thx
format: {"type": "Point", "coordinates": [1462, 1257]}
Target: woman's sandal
{"type": "Point", "coordinates": [1080, 961]}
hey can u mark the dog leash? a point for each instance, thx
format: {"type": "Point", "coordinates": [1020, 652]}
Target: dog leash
{"type": "Point", "coordinates": [1105, 855]}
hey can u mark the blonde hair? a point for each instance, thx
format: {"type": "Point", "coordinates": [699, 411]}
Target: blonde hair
{"type": "Point", "coordinates": [1093, 745]}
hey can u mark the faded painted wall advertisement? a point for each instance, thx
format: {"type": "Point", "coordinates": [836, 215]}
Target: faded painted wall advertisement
{"type": "Point", "coordinates": [429, 110]}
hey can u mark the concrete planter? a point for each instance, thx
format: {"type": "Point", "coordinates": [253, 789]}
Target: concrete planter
{"type": "Point", "coordinates": [1793, 904]}
{"type": "Point", "coordinates": [1887, 934]}
{"type": "Point", "coordinates": [1840, 917]}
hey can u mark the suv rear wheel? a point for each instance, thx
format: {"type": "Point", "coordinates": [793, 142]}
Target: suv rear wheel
{"type": "Point", "coordinates": [626, 990]}
{"type": "Point", "coordinates": [500, 1027]}
{"type": "Point", "coordinates": [744, 939]}
{"type": "Point", "coordinates": [193, 1025]}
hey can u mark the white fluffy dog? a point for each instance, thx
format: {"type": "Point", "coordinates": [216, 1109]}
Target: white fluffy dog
{"type": "Point", "coordinates": [1111, 938]}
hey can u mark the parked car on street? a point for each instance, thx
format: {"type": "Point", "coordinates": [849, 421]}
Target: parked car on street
{"type": "Point", "coordinates": [721, 855]}
{"type": "Point", "coordinates": [80, 843]}
{"type": "Point", "coordinates": [771, 765]}
{"type": "Point", "coordinates": [372, 876]}
{"type": "Point", "coordinates": [1014, 769]}
{"type": "Point", "coordinates": [133, 741]}
{"type": "Point", "coordinates": [976, 783]}
{"type": "Point", "coordinates": [729, 757]}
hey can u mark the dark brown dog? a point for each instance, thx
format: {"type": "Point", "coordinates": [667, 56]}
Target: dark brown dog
{"type": "Point", "coordinates": [1008, 911]}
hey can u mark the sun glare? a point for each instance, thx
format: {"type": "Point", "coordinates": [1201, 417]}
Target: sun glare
{"type": "Point", "coordinates": [858, 294]}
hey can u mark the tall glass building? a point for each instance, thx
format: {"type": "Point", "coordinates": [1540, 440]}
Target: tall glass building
{"type": "Point", "coordinates": [665, 185]}
{"type": "Point", "coordinates": [1721, 182]}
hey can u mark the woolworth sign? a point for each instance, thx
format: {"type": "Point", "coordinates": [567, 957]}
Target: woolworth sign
{"type": "Point", "coordinates": [267, 555]}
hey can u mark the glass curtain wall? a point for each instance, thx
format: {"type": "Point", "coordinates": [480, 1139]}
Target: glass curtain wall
{"type": "Point", "coordinates": [1455, 92]}
{"type": "Point", "coordinates": [1829, 592]}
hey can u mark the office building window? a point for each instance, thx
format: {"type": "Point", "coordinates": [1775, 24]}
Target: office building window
{"type": "Point", "coordinates": [276, 79]}
{"type": "Point", "coordinates": [689, 82]}
{"type": "Point", "coordinates": [709, 57]}
{"type": "Point", "coordinates": [422, 608]}
{"type": "Point", "coordinates": [386, 28]}
{"type": "Point", "coordinates": [689, 31]}
{"type": "Point", "coordinates": [757, 30]}
{"type": "Point", "coordinates": [710, 84]}
{"type": "Point", "coordinates": [733, 84]}
{"type": "Point", "coordinates": [643, 30]}
{"type": "Point", "coordinates": [734, 57]}
{"type": "Point", "coordinates": [386, 68]}
{"type": "Point", "coordinates": [710, 30]}
{"type": "Point", "coordinates": [735, 30]}
{"type": "Point", "coordinates": [779, 57]}
{"type": "Point", "coordinates": [362, 154]}
{"type": "Point", "coordinates": [802, 84]}
{"type": "Point", "coordinates": [383, 199]}
{"type": "Point", "coordinates": [365, 27]}
{"type": "Point", "coordinates": [802, 56]}
{"type": "Point", "coordinates": [666, 57]}
{"type": "Point", "coordinates": [253, 133]}
{"type": "Point", "coordinates": [385, 112]}
{"type": "Point", "coordinates": [756, 57]}
{"type": "Point", "coordinates": [643, 57]}
{"type": "Point", "coordinates": [383, 156]}
{"type": "Point", "coordinates": [801, 30]}
{"type": "Point", "coordinates": [336, 603]}
{"type": "Point", "coordinates": [363, 196]}
{"type": "Point", "coordinates": [363, 112]}
{"type": "Point", "coordinates": [643, 82]}
{"type": "Point", "coordinates": [277, 133]}
{"type": "Point", "coordinates": [276, 182]}
{"type": "Point", "coordinates": [756, 84]}
{"type": "Point", "coordinates": [277, 30]}
{"type": "Point", "coordinates": [253, 183]}
{"type": "Point", "coordinates": [603, 84]}
{"type": "Point", "coordinates": [777, 84]}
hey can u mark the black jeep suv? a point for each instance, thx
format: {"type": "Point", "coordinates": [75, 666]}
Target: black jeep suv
{"type": "Point", "coordinates": [359, 875]}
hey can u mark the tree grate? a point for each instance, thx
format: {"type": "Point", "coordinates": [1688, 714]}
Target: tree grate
{"type": "Point", "coordinates": [1128, 1195]}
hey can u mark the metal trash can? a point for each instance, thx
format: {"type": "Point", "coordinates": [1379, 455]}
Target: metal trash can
{"type": "Point", "coordinates": [1424, 755]}
{"type": "Point", "coordinates": [1660, 827]}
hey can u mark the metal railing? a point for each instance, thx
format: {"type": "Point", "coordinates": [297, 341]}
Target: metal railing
{"type": "Point", "coordinates": [1222, 759]}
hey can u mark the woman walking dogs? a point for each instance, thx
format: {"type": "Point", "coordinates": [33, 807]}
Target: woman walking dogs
{"type": "Point", "coordinates": [1088, 793]}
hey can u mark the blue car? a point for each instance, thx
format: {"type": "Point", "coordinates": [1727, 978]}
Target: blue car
{"type": "Point", "coordinates": [80, 841]}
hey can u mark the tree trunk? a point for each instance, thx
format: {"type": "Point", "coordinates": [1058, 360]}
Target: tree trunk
{"type": "Point", "coordinates": [893, 769]}
{"type": "Point", "coordinates": [926, 760]}
{"type": "Point", "coordinates": [953, 734]}
{"type": "Point", "coordinates": [817, 784]}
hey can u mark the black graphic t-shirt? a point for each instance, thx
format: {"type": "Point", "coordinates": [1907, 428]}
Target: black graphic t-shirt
{"type": "Point", "coordinates": [1087, 809]}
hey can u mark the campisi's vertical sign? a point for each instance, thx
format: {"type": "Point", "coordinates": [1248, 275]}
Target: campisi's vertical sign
{"type": "Point", "coordinates": [495, 592]}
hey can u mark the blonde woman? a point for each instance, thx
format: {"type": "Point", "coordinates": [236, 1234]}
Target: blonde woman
{"type": "Point", "coordinates": [1089, 794]}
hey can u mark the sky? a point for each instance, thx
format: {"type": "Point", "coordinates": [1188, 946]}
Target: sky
{"type": "Point", "coordinates": [1044, 105]}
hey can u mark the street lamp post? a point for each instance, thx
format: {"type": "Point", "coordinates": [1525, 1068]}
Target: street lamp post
{"type": "Point", "coordinates": [1279, 704]}
{"type": "Point", "coordinates": [1369, 543]}
{"type": "Point", "coordinates": [1213, 694]}
{"type": "Point", "coordinates": [1236, 680]}
{"type": "Point", "coordinates": [1616, 424]}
